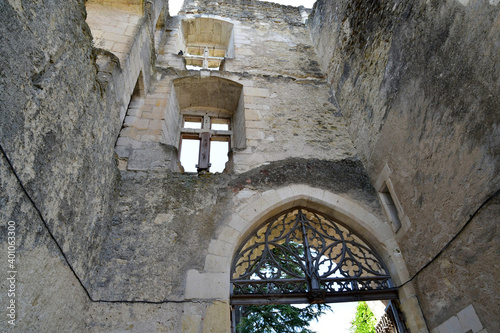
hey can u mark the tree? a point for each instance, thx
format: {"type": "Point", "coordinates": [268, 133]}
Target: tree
{"type": "Point", "coordinates": [364, 320]}
{"type": "Point", "coordinates": [282, 318]}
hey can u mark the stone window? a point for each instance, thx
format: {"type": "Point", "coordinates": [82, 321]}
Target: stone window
{"type": "Point", "coordinates": [389, 206]}
{"type": "Point", "coordinates": [206, 43]}
{"type": "Point", "coordinates": [205, 121]}
{"type": "Point", "coordinates": [205, 142]}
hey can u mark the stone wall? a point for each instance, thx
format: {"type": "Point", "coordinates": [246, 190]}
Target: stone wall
{"type": "Point", "coordinates": [61, 104]}
{"type": "Point", "coordinates": [267, 38]}
{"type": "Point", "coordinates": [144, 247]}
{"type": "Point", "coordinates": [129, 37]}
{"type": "Point", "coordinates": [72, 99]}
{"type": "Point", "coordinates": [283, 118]}
{"type": "Point", "coordinates": [44, 286]}
{"type": "Point", "coordinates": [417, 82]}
{"type": "Point", "coordinates": [158, 214]}
{"type": "Point", "coordinates": [287, 109]}
{"type": "Point", "coordinates": [58, 125]}
{"type": "Point", "coordinates": [59, 141]}
{"type": "Point", "coordinates": [466, 268]}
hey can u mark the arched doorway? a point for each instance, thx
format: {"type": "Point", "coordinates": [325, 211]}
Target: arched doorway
{"type": "Point", "coordinates": [302, 256]}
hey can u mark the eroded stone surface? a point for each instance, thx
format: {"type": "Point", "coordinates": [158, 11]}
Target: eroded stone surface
{"type": "Point", "coordinates": [163, 222]}
{"type": "Point", "coordinates": [414, 84]}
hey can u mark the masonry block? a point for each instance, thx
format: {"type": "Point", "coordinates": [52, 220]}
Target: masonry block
{"type": "Point", "coordinates": [469, 320]}
{"type": "Point", "coordinates": [238, 223]}
{"type": "Point", "coordinates": [141, 124]}
{"type": "Point", "coordinates": [252, 114]}
{"type": "Point", "coordinates": [218, 264]}
{"type": "Point", "coordinates": [452, 325]}
{"type": "Point", "coordinates": [207, 285]}
{"type": "Point", "coordinates": [212, 322]}
{"type": "Point", "coordinates": [220, 248]}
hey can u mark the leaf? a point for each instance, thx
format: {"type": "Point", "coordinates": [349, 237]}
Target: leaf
{"type": "Point", "coordinates": [364, 320]}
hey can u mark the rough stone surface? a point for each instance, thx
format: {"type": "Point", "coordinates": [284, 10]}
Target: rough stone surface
{"type": "Point", "coordinates": [60, 110]}
{"type": "Point", "coordinates": [134, 317]}
{"type": "Point", "coordinates": [146, 255]}
{"type": "Point", "coordinates": [214, 313]}
{"type": "Point", "coordinates": [417, 83]}
{"type": "Point", "coordinates": [464, 261]}
{"type": "Point", "coordinates": [54, 129]}
{"type": "Point", "coordinates": [286, 108]}
{"type": "Point", "coordinates": [48, 297]}
{"type": "Point", "coordinates": [283, 117]}
{"type": "Point", "coordinates": [92, 134]}
{"type": "Point", "coordinates": [269, 38]}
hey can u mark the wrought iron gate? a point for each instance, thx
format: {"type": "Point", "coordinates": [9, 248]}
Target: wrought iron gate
{"type": "Point", "coordinates": [391, 321]}
{"type": "Point", "coordinates": [301, 256]}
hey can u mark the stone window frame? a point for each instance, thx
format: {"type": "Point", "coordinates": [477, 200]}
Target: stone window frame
{"type": "Point", "coordinates": [205, 134]}
{"type": "Point", "coordinates": [188, 96]}
{"type": "Point", "coordinates": [209, 52]}
{"type": "Point", "coordinates": [389, 201]}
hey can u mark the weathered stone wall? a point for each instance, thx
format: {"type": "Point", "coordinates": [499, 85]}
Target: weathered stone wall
{"type": "Point", "coordinates": [135, 317]}
{"type": "Point", "coordinates": [136, 6]}
{"type": "Point", "coordinates": [417, 83]}
{"type": "Point", "coordinates": [60, 109]}
{"type": "Point", "coordinates": [153, 247]}
{"type": "Point", "coordinates": [269, 39]}
{"type": "Point", "coordinates": [129, 36]}
{"type": "Point", "coordinates": [44, 287]}
{"type": "Point", "coordinates": [163, 222]}
{"type": "Point", "coordinates": [54, 128]}
{"type": "Point", "coordinates": [286, 108]}
{"type": "Point", "coordinates": [291, 118]}
{"type": "Point", "coordinates": [466, 268]}
{"type": "Point", "coordinates": [283, 118]}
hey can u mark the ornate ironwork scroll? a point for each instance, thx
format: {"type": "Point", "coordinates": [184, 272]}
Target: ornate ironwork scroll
{"type": "Point", "coordinates": [302, 254]}
{"type": "Point", "coordinates": [391, 321]}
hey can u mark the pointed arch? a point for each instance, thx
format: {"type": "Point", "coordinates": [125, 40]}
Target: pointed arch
{"type": "Point", "coordinates": [301, 255]}
{"type": "Point", "coordinates": [252, 208]}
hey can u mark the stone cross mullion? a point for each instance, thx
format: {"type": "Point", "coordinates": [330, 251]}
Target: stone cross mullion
{"type": "Point", "coordinates": [204, 155]}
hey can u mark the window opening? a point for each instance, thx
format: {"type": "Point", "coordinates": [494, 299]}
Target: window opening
{"type": "Point", "coordinates": [206, 43]}
{"type": "Point", "coordinates": [218, 155]}
{"type": "Point", "coordinates": [220, 124]}
{"type": "Point", "coordinates": [192, 122]}
{"type": "Point", "coordinates": [203, 58]}
{"type": "Point", "coordinates": [390, 207]}
{"type": "Point", "coordinates": [283, 318]}
{"type": "Point", "coordinates": [212, 136]}
{"type": "Point", "coordinates": [267, 317]}
{"type": "Point", "coordinates": [189, 149]}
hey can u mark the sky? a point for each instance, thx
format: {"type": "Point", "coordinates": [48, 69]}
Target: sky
{"type": "Point", "coordinates": [336, 321]}
{"type": "Point", "coordinates": [175, 5]}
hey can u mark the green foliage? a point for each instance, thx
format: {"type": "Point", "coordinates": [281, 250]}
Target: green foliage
{"type": "Point", "coordinates": [288, 258]}
{"type": "Point", "coordinates": [283, 318]}
{"type": "Point", "coordinates": [364, 320]}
